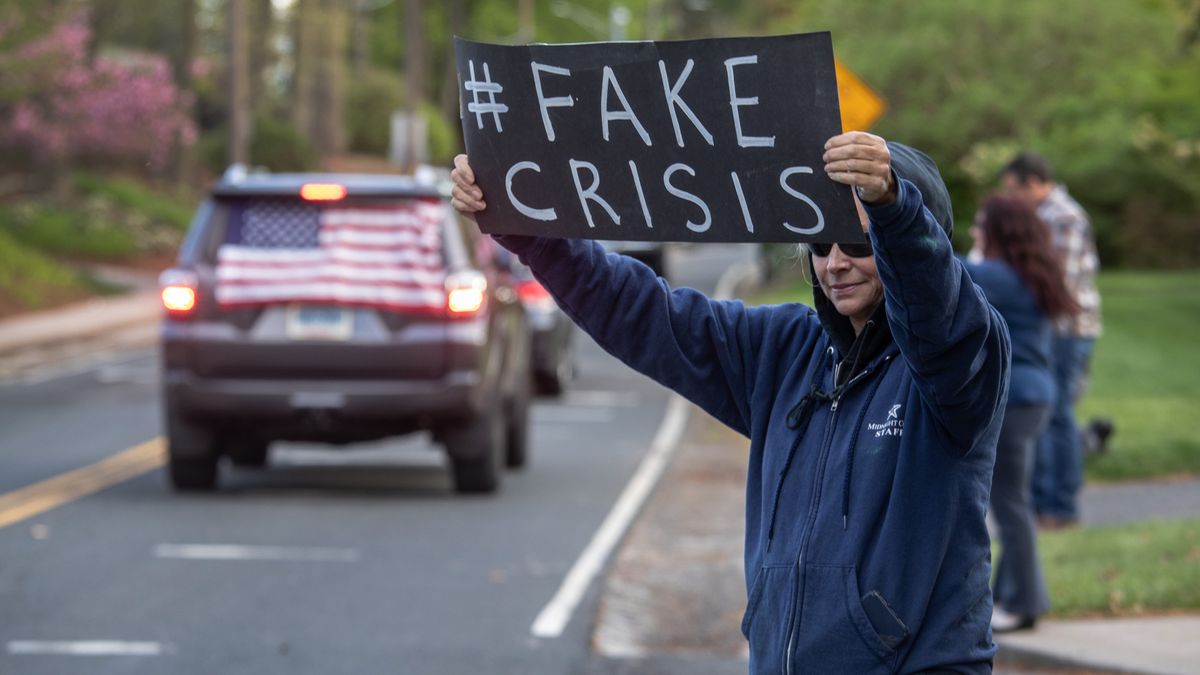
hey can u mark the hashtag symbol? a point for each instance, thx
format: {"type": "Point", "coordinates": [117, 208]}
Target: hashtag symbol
{"type": "Point", "coordinates": [490, 89]}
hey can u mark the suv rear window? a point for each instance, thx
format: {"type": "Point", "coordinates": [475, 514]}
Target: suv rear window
{"type": "Point", "coordinates": [376, 253]}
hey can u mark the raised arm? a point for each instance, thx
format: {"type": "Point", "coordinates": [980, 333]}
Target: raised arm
{"type": "Point", "coordinates": [706, 350]}
{"type": "Point", "coordinates": [954, 342]}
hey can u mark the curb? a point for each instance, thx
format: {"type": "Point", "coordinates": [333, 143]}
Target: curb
{"type": "Point", "coordinates": [51, 330]}
{"type": "Point", "coordinates": [1021, 657]}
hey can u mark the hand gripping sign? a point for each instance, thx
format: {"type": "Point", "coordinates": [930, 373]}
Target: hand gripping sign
{"type": "Point", "coordinates": [702, 140]}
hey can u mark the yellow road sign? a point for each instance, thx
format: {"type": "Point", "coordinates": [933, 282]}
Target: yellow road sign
{"type": "Point", "coordinates": [861, 106]}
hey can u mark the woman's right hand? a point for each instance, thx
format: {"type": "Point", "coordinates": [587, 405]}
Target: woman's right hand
{"type": "Point", "coordinates": [465, 196]}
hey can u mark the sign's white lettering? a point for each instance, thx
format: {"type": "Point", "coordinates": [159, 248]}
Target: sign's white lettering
{"type": "Point", "coordinates": [544, 104]}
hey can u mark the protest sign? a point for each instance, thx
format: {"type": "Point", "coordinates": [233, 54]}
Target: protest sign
{"type": "Point", "coordinates": [702, 140]}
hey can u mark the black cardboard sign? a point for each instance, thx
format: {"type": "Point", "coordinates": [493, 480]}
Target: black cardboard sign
{"type": "Point", "coordinates": [702, 140]}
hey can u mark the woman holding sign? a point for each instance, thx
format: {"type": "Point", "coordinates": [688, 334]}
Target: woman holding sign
{"type": "Point", "coordinates": [873, 420]}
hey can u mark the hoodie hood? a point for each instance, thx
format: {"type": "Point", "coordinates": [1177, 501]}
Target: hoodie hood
{"type": "Point", "coordinates": [917, 168]}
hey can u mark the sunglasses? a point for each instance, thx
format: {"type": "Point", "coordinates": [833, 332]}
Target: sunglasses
{"type": "Point", "coordinates": [861, 250]}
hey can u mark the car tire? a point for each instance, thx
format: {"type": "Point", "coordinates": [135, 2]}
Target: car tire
{"type": "Point", "coordinates": [476, 449]}
{"type": "Point", "coordinates": [191, 454]}
{"type": "Point", "coordinates": [248, 453]}
{"type": "Point", "coordinates": [516, 440]}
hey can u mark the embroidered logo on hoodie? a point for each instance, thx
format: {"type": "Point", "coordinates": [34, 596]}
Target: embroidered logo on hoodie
{"type": "Point", "coordinates": [892, 426]}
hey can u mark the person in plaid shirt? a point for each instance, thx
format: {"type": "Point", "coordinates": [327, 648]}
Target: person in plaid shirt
{"type": "Point", "coordinates": [1058, 469]}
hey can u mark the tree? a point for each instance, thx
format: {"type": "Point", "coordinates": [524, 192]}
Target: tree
{"type": "Point", "coordinates": [239, 78]}
{"type": "Point", "coordinates": [1100, 88]}
{"type": "Point", "coordinates": [59, 107]}
{"type": "Point", "coordinates": [320, 31]}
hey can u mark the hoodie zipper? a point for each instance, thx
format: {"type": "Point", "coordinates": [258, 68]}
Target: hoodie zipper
{"type": "Point", "coordinates": [812, 510]}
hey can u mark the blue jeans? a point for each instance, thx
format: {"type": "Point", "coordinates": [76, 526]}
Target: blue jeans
{"type": "Point", "coordinates": [1058, 469]}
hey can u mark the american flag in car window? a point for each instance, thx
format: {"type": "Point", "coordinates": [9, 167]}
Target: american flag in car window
{"type": "Point", "coordinates": [379, 254]}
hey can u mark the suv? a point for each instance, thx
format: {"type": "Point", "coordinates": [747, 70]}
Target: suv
{"type": "Point", "coordinates": [340, 308]}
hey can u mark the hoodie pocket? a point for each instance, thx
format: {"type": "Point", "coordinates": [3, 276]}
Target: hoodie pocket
{"type": "Point", "coordinates": [835, 634]}
{"type": "Point", "coordinates": [769, 614]}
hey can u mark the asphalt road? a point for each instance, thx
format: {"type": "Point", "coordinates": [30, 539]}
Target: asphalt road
{"type": "Point", "coordinates": [359, 560]}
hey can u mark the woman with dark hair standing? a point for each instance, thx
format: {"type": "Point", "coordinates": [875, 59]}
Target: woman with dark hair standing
{"type": "Point", "coordinates": [1023, 280]}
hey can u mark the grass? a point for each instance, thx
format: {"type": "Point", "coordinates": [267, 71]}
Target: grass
{"type": "Point", "coordinates": [1123, 570]}
{"type": "Point", "coordinates": [1146, 374]}
{"type": "Point", "coordinates": [29, 280]}
{"type": "Point", "coordinates": [95, 219]}
{"type": "Point", "coordinates": [1145, 371]}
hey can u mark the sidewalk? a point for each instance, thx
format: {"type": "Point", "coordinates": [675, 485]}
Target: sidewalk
{"type": "Point", "coordinates": [53, 336]}
{"type": "Point", "coordinates": [675, 590]}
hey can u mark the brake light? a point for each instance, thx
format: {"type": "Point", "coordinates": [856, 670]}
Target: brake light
{"type": "Point", "coordinates": [179, 298]}
{"type": "Point", "coordinates": [178, 291]}
{"type": "Point", "coordinates": [322, 192]}
{"type": "Point", "coordinates": [465, 292]}
{"type": "Point", "coordinates": [534, 296]}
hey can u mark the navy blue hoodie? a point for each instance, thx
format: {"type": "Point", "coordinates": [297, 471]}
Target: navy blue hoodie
{"type": "Point", "coordinates": [866, 549]}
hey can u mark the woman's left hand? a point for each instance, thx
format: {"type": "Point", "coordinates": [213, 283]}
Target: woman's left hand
{"type": "Point", "coordinates": [862, 161]}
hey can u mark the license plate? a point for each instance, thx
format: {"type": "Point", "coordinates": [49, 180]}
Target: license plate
{"type": "Point", "coordinates": [319, 322]}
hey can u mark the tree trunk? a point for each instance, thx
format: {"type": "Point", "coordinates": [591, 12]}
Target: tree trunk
{"type": "Point", "coordinates": [525, 21]}
{"type": "Point", "coordinates": [303, 66]}
{"type": "Point", "coordinates": [262, 34]}
{"type": "Point", "coordinates": [330, 87]}
{"type": "Point", "coordinates": [456, 11]}
{"type": "Point", "coordinates": [239, 78]}
{"type": "Point", "coordinates": [414, 75]}
{"type": "Point", "coordinates": [361, 36]}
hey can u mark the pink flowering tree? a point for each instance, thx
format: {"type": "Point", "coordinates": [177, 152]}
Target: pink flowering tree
{"type": "Point", "coordinates": [58, 108]}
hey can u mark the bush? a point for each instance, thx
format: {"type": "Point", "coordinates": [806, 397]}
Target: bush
{"type": "Point", "coordinates": [62, 232]}
{"type": "Point", "coordinates": [174, 212]}
{"type": "Point", "coordinates": [280, 147]}
{"type": "Point", "coordinates": [444, 142]}
{"type": "Point", "coordinates": [275, 145]}
{"type": "Point", "coordinates": [370, 102]}
{"type": "Point", "coordinates": [59, 106]}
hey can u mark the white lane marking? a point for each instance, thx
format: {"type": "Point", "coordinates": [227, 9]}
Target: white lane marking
{"type": "Point", "coordinates": [86, 648]}
{"type": "Point", "coordinates": [236, 552]}
{"type": "Point", "coordinates": [567, 415]}
{"type": "Point", "coordinates": [555, 615]}
{"type": "Point", "coordinates": [601, 398]}
{"type": "Point", "coordinates": [553, 618]}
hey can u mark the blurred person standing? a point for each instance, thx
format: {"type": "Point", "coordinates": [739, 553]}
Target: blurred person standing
{"type": "Point", "coordinates": [1023, 280]}
{"type": "Point", "coordinates": [1058, 468]}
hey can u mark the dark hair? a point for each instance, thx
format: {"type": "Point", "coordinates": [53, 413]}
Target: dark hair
{"type": "Point", "coordinates": [1028, 165]}
{"type": "Point", "coordinates": [1013, 233]}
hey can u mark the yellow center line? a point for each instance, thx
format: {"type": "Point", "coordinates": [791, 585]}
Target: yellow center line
{"type": "Point", "coordinates": [32, 500]}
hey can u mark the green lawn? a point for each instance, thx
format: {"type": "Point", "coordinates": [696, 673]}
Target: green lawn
{"type": "Point", "coordinates": [1145, 373]}
{"type": "Point", "coordinates": [1128, 569]}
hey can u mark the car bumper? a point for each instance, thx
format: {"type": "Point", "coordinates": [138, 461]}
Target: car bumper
{"type": "Point", "coordinates": [455, 396]}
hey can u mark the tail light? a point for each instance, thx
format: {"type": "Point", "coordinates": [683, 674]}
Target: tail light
{"type": "Point", "coordinates": [466, 293]}
{"type": "Point", "coordinates": [178, 292]}
{"type": "Point", "coordinates": [534, 296]}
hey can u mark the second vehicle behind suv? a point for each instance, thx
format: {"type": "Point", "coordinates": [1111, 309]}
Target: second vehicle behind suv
{"type": "Point", "coordinates": [340, 308]}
